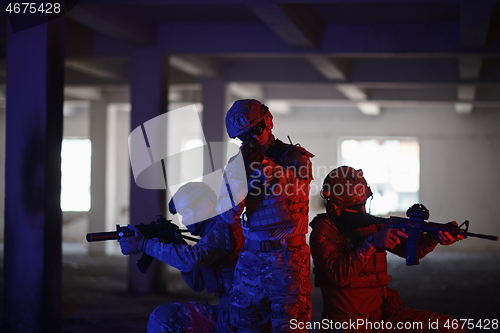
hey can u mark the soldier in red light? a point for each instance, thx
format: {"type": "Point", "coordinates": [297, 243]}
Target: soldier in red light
{"type": "Point", "coordinates": [349, 252]}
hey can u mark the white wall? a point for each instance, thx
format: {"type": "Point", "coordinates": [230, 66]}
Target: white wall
{"type": "Point", "coordinates": [459, 158]}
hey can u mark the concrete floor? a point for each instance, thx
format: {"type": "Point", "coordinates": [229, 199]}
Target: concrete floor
{"type": "Point", "coordinates": [95, 298]}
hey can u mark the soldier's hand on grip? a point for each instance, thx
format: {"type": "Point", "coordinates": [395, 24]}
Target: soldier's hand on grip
{"type": "Point", "coordinates": [386, 239]}
{"type": "Point", "coordinates": [445, 238]}
{"type": "Point", "coordinates": [134, 244]}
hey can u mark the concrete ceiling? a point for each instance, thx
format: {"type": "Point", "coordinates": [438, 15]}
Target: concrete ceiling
{"type": "Point", "coordinates": [369, 54]}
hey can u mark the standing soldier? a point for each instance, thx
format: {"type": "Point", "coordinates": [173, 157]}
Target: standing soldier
{"type": "Point", "coordinates": [272, 277]}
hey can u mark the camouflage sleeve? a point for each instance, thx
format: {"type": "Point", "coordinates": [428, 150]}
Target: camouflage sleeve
{"type": "Point", "coordinates": [194, 280]}
{"type": "Point", "coordinates": [186, 258]}
{"type": "Point", "coordinates": [336, 255]}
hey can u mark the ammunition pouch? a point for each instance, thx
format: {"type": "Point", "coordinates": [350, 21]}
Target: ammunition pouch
{"type": "Point", "coordinates": [272, 212]}
{"type": "Point", "coordinates": [374, 274]}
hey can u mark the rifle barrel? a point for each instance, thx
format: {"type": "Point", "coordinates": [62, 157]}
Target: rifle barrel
{"type": "Point", "coordinates": [493, 238]}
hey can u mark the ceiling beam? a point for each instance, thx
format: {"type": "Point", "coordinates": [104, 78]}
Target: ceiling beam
{"type": "Point", "coordinates": [474, 24]}
{"type": "Point", "coordinates": [195, 2]}
{"type": "Point", "coordinates": [360, 98]}
{"type": "Point", "coordinates": [301, 91]}
{"type": "Point", "coordinates": [299, 25]}
{"type": "Point", "coordinates": [470, 66]}
{"type": "Point", "coordinates": [466, 92]}
{"type": "Point", "coordinates": [469, 69]}
{"type": "Point", "coordinates": [446, 93]}
{"type": "Point", "coordinates": [87, 67]}
{"type": "Point", "coordinates": [124, 25]}
{"type": "Point", "coordinates": [463, 108]}
{"type": "Point", "coordinates": [369, 108]}
{"type": "Point", "coordinates": [347, 39]}
{"type": "Point", "coordinates": [327, 68]}
{"type": "Point", "coordinates": [246, 91]}
{"type": "Point", "coordinates": [84, 93]}
{"type": "Point", "coordinates": [385, 103]}
{"type": "Point", "coordinates": [363, 71]}
{"type": "Point", "coordinates": [194, 65]}
{"type": "Point", "coordinates": [352, 92]}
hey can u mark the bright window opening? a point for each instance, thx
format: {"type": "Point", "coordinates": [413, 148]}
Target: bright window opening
{"type": "Point", "coordinates": [391, 167]}
{"type": "Point", "coordinates": [75, 180]}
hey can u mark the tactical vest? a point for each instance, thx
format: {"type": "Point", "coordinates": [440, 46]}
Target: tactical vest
{"type": "Point", "coordinates": [373, 274]}
{"type": "Point", "coordinates": [278, 208]}
{"type": "Point", "coordinates": [271, 212]}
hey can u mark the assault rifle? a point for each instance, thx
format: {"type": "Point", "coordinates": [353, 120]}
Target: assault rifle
{"type": "Point", "coordinates": [415, 224]}
{"type": "Point", "coordinates": [163, 229]}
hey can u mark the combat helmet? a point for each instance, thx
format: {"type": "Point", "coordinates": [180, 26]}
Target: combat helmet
{"type": "Point", "coordinates": [244, 115]}
{"type": "Point", "coordinates": [344, 187]}
{"type": "Point", "coordinates": [197, 198]}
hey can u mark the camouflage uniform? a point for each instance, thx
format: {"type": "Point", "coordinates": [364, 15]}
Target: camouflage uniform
{"type": "Point", "coordinates": [272, 277]}
{"type": "Point", "coordinates": [207, 265]}
{"type": "Point", "coordinates": [352, 274]}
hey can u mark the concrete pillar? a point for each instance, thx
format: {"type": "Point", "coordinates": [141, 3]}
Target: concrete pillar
{"type": "Point", "coordinates": [117, 170]}
{"type": "Point", "coordinates": [149, 97]}
{"type": "Point", "coordinates": [98, 135]}
{"type": "Point", "coordinates": [2, 170]}
{"type": "Point", "coordinates": [33, 219]}
{"type": "Point", "coordinates": [213, 98]}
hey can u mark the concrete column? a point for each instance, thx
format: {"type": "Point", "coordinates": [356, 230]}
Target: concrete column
{"type": "Point", "coordinates": [117, 174]}
{"type": "Point", "coordinates": [213, 98]}
{"type": "Point", "coordinates": [148, 94]}
{"type": "Point", "coordinates": [33, 219]}
{"type": "Point", "coordinates": [98, 135]}
{"type": "Point", "coordinates": [2, 171]}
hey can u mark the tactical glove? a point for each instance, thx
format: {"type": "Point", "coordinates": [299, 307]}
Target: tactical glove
{"type": "Point", "coordinates": [386, 239]}
{"type": "Point", "coordinates": [134, 244]}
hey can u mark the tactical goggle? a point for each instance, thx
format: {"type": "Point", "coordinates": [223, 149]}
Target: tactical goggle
{"type": "Point", "coordinates": [257, 130]}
